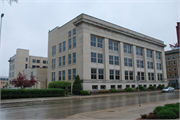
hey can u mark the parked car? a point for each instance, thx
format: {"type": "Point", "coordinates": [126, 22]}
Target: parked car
{"type": "Point", "coordinates": [168, 89]}
{"type": "Point", "coordinates": [176, 87]}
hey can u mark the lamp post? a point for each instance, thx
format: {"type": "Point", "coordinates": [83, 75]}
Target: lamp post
{"type": "Point", "coordinates": [2, 15]}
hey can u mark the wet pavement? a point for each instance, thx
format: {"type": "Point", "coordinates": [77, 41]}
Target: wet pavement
{"type": "Point", "coordinates": [65, 108]}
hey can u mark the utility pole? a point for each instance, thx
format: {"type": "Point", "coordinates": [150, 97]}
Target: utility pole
{"type": "Point", "coordinates": [138, 90]}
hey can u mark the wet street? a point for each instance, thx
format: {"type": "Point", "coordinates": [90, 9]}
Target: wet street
{"type": "Point", "coordinates": [63, 109]}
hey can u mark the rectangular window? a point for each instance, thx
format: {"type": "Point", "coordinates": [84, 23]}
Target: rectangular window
{"type": "Point", "coordinates": [44, 61]}
{"type": "Point", "coordinates": [129, 49]}
{"type": "Point", "coordinates": [168, 57]}
{"type": "Point", "coordinates": [110, 59]}
{"type": "Point", "coordinates": [158, 55]}
{"type": "Point", "coordinates": [139, 51]}
{"type": "Point", "coordinates": [33, 60]}
{"type": "Point", "coordinates": [74, 31]}
{"type": "Point", "coordinates": [150, 65]}
{"type": "Point", "coordinates": [93, 41]}
{"type": "Point", "coordinates": [110, 45]}
{"type": "Point", "coordinates": [53, 76]}
{"type": "Point", "coordinates": [142, 75]}
{"type": "Point", "coordinates": [152, 76]}
{"type": "Point", "coordinates": [115, 46]}
{"type": "Point", "coordinates": [74, 42]}
{"type": "Point", "coordinates": [64, 60]}
{"type": "Point", "coordinates": [26, 59]}
{"type": "Point", "coordinates": [74, 57]}
{"type": "Point", "coordinates": [169, 69]}
{"type": "Point", "coordinates": [59, 75]}
{"type": "Point", "coordinates": [116, 58]}
{"type": "Point", "coordinates": [159, 66]}
{"type": "Point", "coordinates": [100, 58]}
{"type": "Point", "coordinates": [111, 72]}
{"type": "Point", "coordinates": [159, 76]}
{"type": "Point", "coordinates": [140, 64]}
{"type": "Point", "coordinates": [44, 66]}
{"type": "Point", "coordinates": [59, 61]}
{"type": "Point", "coordinates": [125, 62]}
{"type": "Point", "coordinates": [117, 75]}
{"type": "Point", "coordinates": [103, 87]}
{"type": "Point", "coordinates": [69, 59]}
{"type": "Point", "coordinates": [38, 61]}
{"type": "Point", "coordinates": [130, 62]}
{"type": "Point", "coordinates": [131, 75]}
{"type": "Point", "coordinates": [175, 74]}
{"type": "Point", "coordinates": [113, 87]}
{"type": "Point", "coordinates": [119, 86]}
{"type": "Point", "coordinates": [60, 47]}
{"type": "Point", "coordinates": [149, 53]}
{"type": "Point", "coordinates": [174, 62]}
{"type": "Point", "coordinates": [69, 74]}
{"type": "Point", "coordinates": [93, 57]}
{"type": "Point", "coordinates": [169, 63]}
{"type": "Point", "coordinates": [149, 76]}
{"type": "Point", "coordinates": [126, 75]}
{"type": "Point", "coordinates": [94, 87]}
{"type": "Point", "coordinates": [93, 73]}
{"type": "Point", "coordinates": [69, 43]}
{"type": "Point", "coordinates": [53, 50]}
{"type": "Point", "coordinates": [53, 63]}
{"type": "Point", "coordinates": [174, 57]}
{"type": "Point", "coordinates": [69, 34]}
{"type": "Point", "coordinates": [174, 68]}
{"type": "Point", "coordinates": [64, 45]}
{"type": "Point", "coordinates": [74, 73]}
{"type": "Point", "coordinates": [63, 74]}
{"type": "Point", "coordinates": [99, 42]}
{"type": "Point", "coordinates": [101, 74]}
{"type": "Point", "coordinates": [25, 66]}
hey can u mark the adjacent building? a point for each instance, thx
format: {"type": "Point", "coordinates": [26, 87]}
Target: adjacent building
{"type": "Point", "coordinates": [22, 60]}
{"type": "Point", "coordinates": [172, 60]}
{"type": "Point", "coordinates": [4, 80]}
{"type": "Point", "coordinates": [105, 55]}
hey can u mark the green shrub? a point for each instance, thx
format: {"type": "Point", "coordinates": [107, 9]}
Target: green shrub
{"type": "Point", "coordinates": [59, 84]}
{"type": "Point", "coordinates": [77, 87]}
{"type": "Point", "coordinates": [30, 93]}
{"type": "Point", "coordinates": [177, 105]}
{"type": "Point", "coordinates": [160, 87]}
{"type": "Point", "coordinates": [84, 92]}
{"type": "Point", "coordinates": [151, 87]}
{"type": "Point", "coordinates": [141, 88]}
{"type": "Point", "coordinates": [113, 90]}
{"type": "Point", "coordinates": [128, 89]}
{"type": "Point", "coordinates": [174, 109]}
{"type": "Point", "coordinates": [170, 105]}
{"type": "Point", "coordinates": [104, 91]}
{"type": "Point", "coordinates": [167, 114]}
{"type": "Point", "coordinates": [159, 108]}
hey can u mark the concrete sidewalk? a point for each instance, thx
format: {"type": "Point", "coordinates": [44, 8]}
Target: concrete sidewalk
{"type": "Point", "coordinates": [11, 101]}
{"type": "Point", "coordinates": [122, 113]}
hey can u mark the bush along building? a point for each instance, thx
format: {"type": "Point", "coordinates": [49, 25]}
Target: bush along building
{"type": "Point", "coordinates": [104, 55]}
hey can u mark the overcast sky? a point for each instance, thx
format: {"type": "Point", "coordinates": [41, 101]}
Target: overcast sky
{"type": "Point", "coordinates": [26, 23]}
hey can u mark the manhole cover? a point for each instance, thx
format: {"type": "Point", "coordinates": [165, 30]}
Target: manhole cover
{"type": "Point", "coordinates": [110, 111]}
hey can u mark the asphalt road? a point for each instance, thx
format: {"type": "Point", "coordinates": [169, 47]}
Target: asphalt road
{"type": "Point", "coordinates": [63, 109]}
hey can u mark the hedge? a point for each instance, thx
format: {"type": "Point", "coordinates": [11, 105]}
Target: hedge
{"type": "Point", "coordinates": [31, 93]}
{"type": "Point", "coordinates": [84, 92]}
{"type": "Point", "coordinates": [113, 90]}
{"type": "Point", "coordinates": [59, 84]}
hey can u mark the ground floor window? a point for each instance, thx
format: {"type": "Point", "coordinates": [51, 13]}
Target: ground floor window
{"type": "Point", "coordinates": [159, 76]}
{"type": "Point", "coordinates": [133, 86]}
{"type": "Point", "coordinates": [59, 75]}
{"type": "Point", "coordinates": [94, 87]}
{"type": "Point", "coordinates": [113, 87]}
{"type": "Point", "coordinates": [127, 86]}
{"type": "Point", "coordinates": [119, 86]}
{"type": "Point", "coordinates": [151, 76]}
{"type": "Point", "coordinates": [128, 75]}
{"type": "Point", "coordinates": [144, 86]}
{"type": "Point", "coordinates": [155, 85]}
{"type": "Point", "coordinates": [63, 74]}
{"type": "Point", "coordinates": [140, 75]}
{"type": "Point", "coordinates": [103, 87]}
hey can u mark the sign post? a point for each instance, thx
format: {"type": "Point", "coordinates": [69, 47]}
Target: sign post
{"type": "Point", "coordinates": [138, 90]}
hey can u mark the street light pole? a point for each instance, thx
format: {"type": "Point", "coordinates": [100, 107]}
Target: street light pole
{"type": "Point", "coordinates": [2, 15]}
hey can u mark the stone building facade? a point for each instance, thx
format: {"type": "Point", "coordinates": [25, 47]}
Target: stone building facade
{"type": "Point", "coordinates": [104, 55]}
{"type": "Point", "coordinates": [21, 61]}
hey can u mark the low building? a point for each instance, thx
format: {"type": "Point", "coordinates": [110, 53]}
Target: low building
{"type": "Point", "coordinates": [172, 60]}
{"type": "Point", "coordinates": [22, 60]}
{"type": "Point", "coordinates": [40, 75]}
{"type": "Point", "coordinates": [104, 55]}
{"type": "Point", "coordinates": [4, 80]}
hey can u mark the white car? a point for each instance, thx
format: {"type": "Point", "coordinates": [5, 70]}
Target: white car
{"type": "Point", "coordinates": [168, 89]}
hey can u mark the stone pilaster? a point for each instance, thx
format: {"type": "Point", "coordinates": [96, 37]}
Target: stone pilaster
{"type": "Point", "coordinates": [134, 62]}
{"type": "Point", "coordinates": [106, 58]}
{"type": "Point", "coordinates": [163, 65]}
{"type": "Point", "coordinates": [154, 65]}
{"type": "Point", "coordinates": [121, 57]}
{"type": "Point", "coordinates": [145, 64]}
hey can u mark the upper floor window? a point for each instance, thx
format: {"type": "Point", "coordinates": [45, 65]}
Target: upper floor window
{"type": "Point", "coordinates": [117, 75]}
{"type": "Point", "coordinates": [96, 39]}
{"type": "Point", "coordinates": [93, 57]}
{"type": "Point", "coordinates": [93, 41]}
{"type": "Point", "coordinates": [38, 61]}
{"type": "Point", "coordinates": [110, 59]}
{"type": "Point", "coordinates": [174, 68]}
{"type": "Point", "coordinates": [139, 51]}
{"type": "Point", "coordinates": [69, 74]}
{"type": "Point", "coordinates": [59, 75]}
{"type": "Point", "coordinates": [69, 59]}
{"type": "Point", "coordinates": [59, 61]}
{"type": "Point", "coordinates": [174, 62]}
{"type": "Point", "coordinates": [127, 48]}
{"type": "Point", "coordinates": [53, 50]}
{"type": "Point", "coordinates": [140, 75]}
{"type": "Point", "coordinates": [53, 63]}
{"type": "Point", "coordinates": [159, 66]}
{"type": "Point", "coordinates": [60, 47]}
{"type": "Point", "coordinates": [69, 43]}
{"type": "Point", "coordinates": [151, 76]}
{"type": "Point", "coordinates": [33, 60]}
{"type": "Point", "coordinates": [168, 57]}
{"type": "Point", "coordinates": [128, 75]}
{"type": "Point", "coordinates": [74, 73]}
{"type": "Point", "coordinates": [53, 76]}
{"type": "Point", "coordinates": [74, 42]}
{"type": "Point", "coordinates": [63, 74]}
{"type": "Point", "coordinates": [69, 34]}
{"type": "Point", "coordinates": [64, 45]}
{"type": "Point", "coordinates": [113, 45]}
{"type": "Point", "coordinates": [149, 53]}
{"type": "Point", "coordinates": [111, 74]}
{"type": "Point", "coordinates": [174, 57]}
{"type": "Point", "coordinates": [128, 62]}
{"type": "Point", "coordinates": [150, 65]}
{"type": "Point", "coordinates": [116, 60]}
{"type": "Point", "coordinates": [169, 63]}
{"type": "Point", "coordinates": [74, 57]}
{"type": "Point", "coordinates": [74, 31]}
{"type": "Point", "coordinates": [100, 58]}
{"type": "Point", "coordinates": [93, 73]}
{"type": "Point", "coordinates": [64, 60]}
{"type": "Point", "coordinates": [159, 75]}
{"type": "Point", "coordinates": [101, 73]}
{"type": "Point", "coordinates": [99, 42]}
{"type": "Point", "coordinates": [140, 63]}
{"type": "Point", "coordinates": [158, 55]}
{"type": "Point", "coordinates": [44, 61]}
{"type": "Point", "coordinates": [26, 59]}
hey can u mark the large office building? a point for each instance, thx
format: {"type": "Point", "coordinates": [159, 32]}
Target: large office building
{"type": "Point", "coordinates": [3, 80]}
{"type": "Point", "coordinates": [104, 55]}
{"type": "Point", "coordinates": [22, 60]}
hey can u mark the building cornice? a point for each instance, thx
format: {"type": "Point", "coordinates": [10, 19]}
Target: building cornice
{"type": "Point", "coordinates": [107, 27]}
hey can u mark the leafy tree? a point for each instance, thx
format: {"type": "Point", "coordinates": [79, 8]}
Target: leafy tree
{"type": "Point", "coordinates": [23, 82]}
{"type": "Point", "coordinates": [77, 87]}
{"type": "Point", "coordinates": [6, 84]}
{"type": "Point", "coordinates": [60, 84]}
